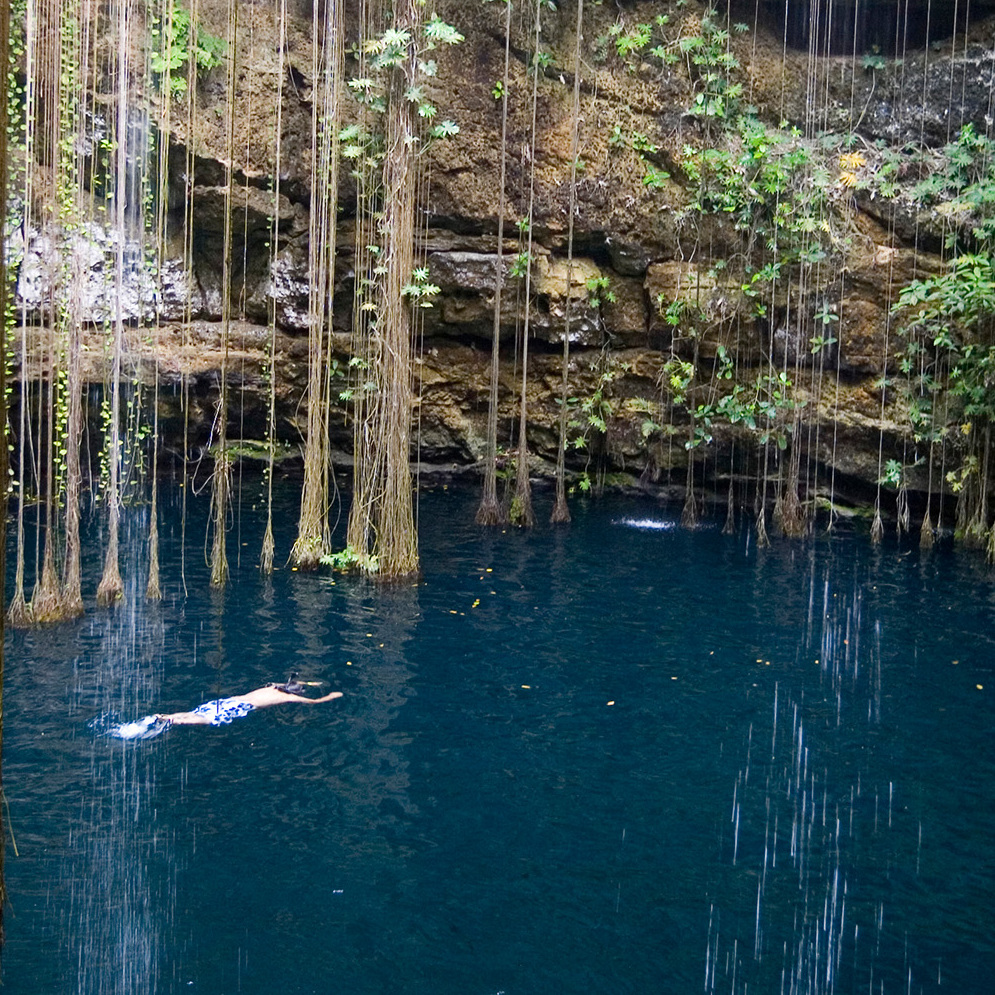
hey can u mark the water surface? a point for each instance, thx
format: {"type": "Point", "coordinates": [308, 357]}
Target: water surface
{"type": "Point", "coordinates": [613, 757]}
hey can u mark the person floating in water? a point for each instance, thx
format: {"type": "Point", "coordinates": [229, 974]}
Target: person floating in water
{"type": "Point", "coordinates": [220, 711]}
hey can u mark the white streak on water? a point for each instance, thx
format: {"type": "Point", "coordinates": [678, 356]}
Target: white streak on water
{"type": "Point", "coordinates": [650, 524]}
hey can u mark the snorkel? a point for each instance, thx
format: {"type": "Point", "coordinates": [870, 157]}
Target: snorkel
{"type": "Point", "coordinates": [294, 686]}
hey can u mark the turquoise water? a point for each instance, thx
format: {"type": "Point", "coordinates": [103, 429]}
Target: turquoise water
{"type": "Point", "coordinates": [612, 757]}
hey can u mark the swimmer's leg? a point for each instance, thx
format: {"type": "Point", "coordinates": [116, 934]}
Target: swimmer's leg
{"type": "Point", "coordinates": [144, 728]}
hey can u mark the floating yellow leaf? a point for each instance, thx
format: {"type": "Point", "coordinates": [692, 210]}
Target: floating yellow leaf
{"type": "Point", "coordinates": [611, 702]}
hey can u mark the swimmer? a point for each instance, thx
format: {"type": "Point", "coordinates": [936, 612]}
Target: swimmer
{"type": "Point", "coordinates": [220, 711]}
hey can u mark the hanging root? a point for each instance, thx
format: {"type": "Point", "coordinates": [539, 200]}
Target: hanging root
{"type": "Point", "coordinates": [926, 532]}
{"type": "Point", "coordinates": [153, 592]}
{"type": "Point", "coordinates": [793, 520]}
{"type": "Point", "coordinates": [46, 602]}
{"type": "Point", "coordinates": [269, 548]}
{"type": "Point", "coordinates": [111, 587]}
{"type": "Point", "coordinates": [307, 552]}
{"type": "Point", "coordinates": [990, 546]}
{"type": "Point", "coordinates": [730, 525]}
{"type": "Point", "coordinates": [877, 526]}
{"type": "Point", "coordinates": [763, 540]}
{"type": "Point", "coordinates": [489, 512]}
{"type": "Point", "coordinates": [689, 513]}
{"type": "Point", "coordinates": [521, 513]}
{"type": "Point", "coordinates": [19, 612]}
{"type": "Point", "coordinates": [902, 507]}
{"type": "Point", "coordinates": [220, 494]}
{"type": "Point", "coordinates": [561, 512]}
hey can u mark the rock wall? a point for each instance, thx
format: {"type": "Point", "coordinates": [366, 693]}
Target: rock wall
{"type": "Point", "coordinates": [635, 235]}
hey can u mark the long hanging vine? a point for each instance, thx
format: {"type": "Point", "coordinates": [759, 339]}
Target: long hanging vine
{"type": "Point", "coordinates": [221, 478]}
{"type": "Point", "coordinates": [75, 73]}
{"type": "Point", "coordinates": [521, 512]}
{"type": "Point", "coordinates": [46, 596]}
{"type": "Point", "coordinates": [153, 587]}
{"type": "Point", "coordinates": [489, 512]}
{"type": "Point", "coordinates": [4, 451]}
{"type": "Point", "coordinates": [19, 611]}
{"type": "Point", "coordinates": [381, 532]}
{"type": "Point", "coordinates": [269, 545]}
{"type": "Point", "coordinates": [111, 586]}
{"type": "Point", "coordinates": [561, 513]}
{"type": "Point", "coordinates": [313, 539]}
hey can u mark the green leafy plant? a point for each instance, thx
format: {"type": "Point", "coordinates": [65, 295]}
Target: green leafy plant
{"type": "Point", "coordinates": [179, 42]}
{"type": "Point", "coordinates": [420, 291]}
{"type": "Point", "coordinates": [520, 265]}
{"type": "Point", "coordinates": [348, 560]}
{"type": "Point", "coordinates": [599, 290]}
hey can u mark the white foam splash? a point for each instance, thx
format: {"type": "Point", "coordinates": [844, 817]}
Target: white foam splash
{"type": "Point", "coordinates": [147, 727]}
{"type": "Point", "coordinates": [652, 524]}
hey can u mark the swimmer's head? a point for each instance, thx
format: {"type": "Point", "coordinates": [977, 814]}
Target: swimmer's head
{"type": "Point", "coordinates": [292, 685]}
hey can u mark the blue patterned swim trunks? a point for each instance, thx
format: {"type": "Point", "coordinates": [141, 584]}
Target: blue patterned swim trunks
{"type": "Point", "coordinates": [221, 711]}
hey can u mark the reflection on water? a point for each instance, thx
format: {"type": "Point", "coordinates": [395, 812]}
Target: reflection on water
{"type": "Point", "coordinates": [615, 757]}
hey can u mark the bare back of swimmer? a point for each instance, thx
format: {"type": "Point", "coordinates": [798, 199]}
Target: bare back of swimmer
{"type": "Point", "coordinates": [221, 711]}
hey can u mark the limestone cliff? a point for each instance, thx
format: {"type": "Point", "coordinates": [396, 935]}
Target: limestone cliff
{"type": "Point", "coordinates": [649, 247]}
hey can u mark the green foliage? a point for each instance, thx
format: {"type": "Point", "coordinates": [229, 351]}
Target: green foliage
{"type": "Point", "coordinates": [419, 291]}
{"type": "Point", "coordinates": [179, 42]}
{"type": "Point", "coordinates": [892, 473]}
{"type": "Point", "coordinates": [954, 313]}
{"type": "Point", "coordinates": [348, 560]}
{"type": "Point", "coordinates": [520, 265]}
{"type": "Point", "coordinates": [446, 129]}
{"type": "Point", "coordinates": [676, 376]}
{"type": "Point", "coordinates": [393, 48]}
{"type": "Point", "coordinates": [599, 290]}
{"type": "Point", "coordinates": [632, 41]}
{"type": "Point", "coordinates": [653, 177]}
{"type": "Point", "coordinates": [541, 61]}
{"type": "Point", "coordinates": [961, 185]}
{"type": "Point", "coordinates": [595, 411]}
{"type": "Point", "coordinates": [710, 64]}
